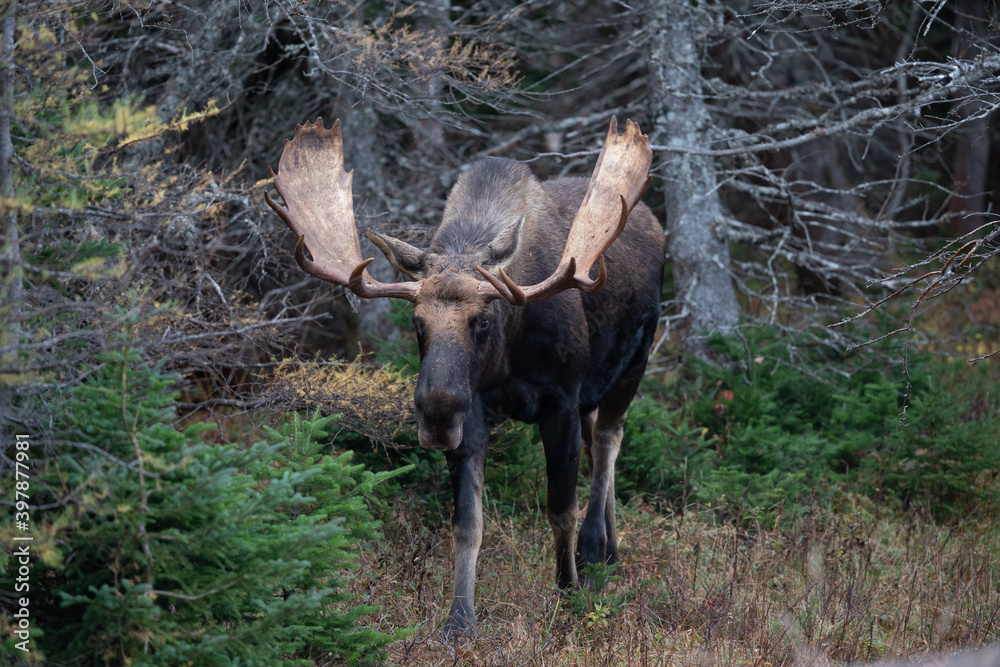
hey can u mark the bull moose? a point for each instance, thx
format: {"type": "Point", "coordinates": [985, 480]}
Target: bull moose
{"type": "Point", "coordinates": [510, 318]}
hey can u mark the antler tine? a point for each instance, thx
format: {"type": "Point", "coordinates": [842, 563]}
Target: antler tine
{"type": "Point", "coordinates": [502, 288]}
{"type": "Point", "coordinates": [620, 178]}
{"type": "Point", "coordinates": [367, 287]}
{"type": "Point", "coordinates": [318, 207]}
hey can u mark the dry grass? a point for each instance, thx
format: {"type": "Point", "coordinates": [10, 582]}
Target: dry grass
{"type": "Point", "coordinates": [375, 402]}
{"type": "Point", "coordinates": [850, 587]}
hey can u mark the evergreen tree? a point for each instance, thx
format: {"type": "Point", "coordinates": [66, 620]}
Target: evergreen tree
{"type": "Point", "coordinates": [161, 549]}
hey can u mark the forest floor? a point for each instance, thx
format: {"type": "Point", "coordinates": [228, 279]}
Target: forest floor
{"type": "Point", "coordinates": [839, 586]}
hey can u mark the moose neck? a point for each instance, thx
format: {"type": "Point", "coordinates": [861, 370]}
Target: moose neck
{"type": "Point", "coordinates": [488, 198]}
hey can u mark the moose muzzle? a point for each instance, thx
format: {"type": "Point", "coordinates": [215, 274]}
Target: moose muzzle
{"type": "Point", "coordinates": [443, 396]}
{"type": "Point", "coordinates": [440, 418]}
{"type": "Point", "coordinates": [442, 437]}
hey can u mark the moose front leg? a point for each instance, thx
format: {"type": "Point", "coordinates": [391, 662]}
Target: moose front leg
{"type": "Point", "coordinates": [466, 466]}
{"type": "Point", "coordinates": [561, 438]}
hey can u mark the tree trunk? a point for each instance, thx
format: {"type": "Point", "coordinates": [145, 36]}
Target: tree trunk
{"type": "Point", "coordinates": [972, 146]}
{"type": "Point", "coordinates": [433, 23]}
{"type": "Point", "coordinates": [704, 289]}
{"type": "Point", "coordinates": [11, 287]}
{"type": "Point", "coordinates": [359, 123]}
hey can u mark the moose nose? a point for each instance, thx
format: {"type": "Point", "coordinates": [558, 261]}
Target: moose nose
{"type": "Point", "coordinates": [440, 439]}
{"type": "Point", "coordinates": [440, 418]}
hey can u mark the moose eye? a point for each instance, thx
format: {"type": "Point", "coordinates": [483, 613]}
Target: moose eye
{"type": "Point", "coordinates": [482, 323]}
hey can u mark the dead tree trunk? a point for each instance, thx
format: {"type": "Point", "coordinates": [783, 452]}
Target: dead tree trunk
{"type": "Point", "coordinates": [972, 147]}
{"type": "Point", "coordinates": [435, 24]}
{"type": "Point", "coordinates": [10, 261]}
{"type": "Point", "coordinates": [700, 258]}
{"type": "Point", "coordinates": [360, 122]}
{"type": "Point", "coordinates": [374, 319]}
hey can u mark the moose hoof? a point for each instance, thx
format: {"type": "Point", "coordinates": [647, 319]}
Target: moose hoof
{"type": "Point", "coordinates": [458, 634]}
{"type": "Point", "coordinates": [461, 626]}
{"type": "Point", "coordinates": [592, 552]}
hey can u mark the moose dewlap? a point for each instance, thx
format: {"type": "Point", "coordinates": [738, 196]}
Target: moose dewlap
{"type": "Point", "coordinates": [510, 320]}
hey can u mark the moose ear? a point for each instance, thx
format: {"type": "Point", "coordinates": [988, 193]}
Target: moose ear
{"type": "Point", "coordinates": [404, 257]}
{"type": "Point", "coordinates": [503, 246]}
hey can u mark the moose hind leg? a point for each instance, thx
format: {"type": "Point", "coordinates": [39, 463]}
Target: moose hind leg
{"type": "Point", "coordinates": [598, 537]}
{"type": "Point", "coordinates": [561, 438]}
{"type": "Point", "coordinates": [587, 437]}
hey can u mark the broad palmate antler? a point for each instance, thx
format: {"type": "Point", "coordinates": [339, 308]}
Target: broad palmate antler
{"type": "Point", "coordinates": [317, 192]}
{"type": "Point", "coordinates": [619, 179]}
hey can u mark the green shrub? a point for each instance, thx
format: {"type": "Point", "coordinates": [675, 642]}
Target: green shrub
{"type": "Point", "coordinates": [947, 457]}
{"type": "Point", "coordinates": [157, 548]}
{"type": "Point", "coordinates": [659, 447]}
{"type": "Point", "coordinates": [788, 421]}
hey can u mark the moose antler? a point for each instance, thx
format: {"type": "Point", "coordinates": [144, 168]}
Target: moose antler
{"type": "Point", "coordinates": [317, 192]}
{"type": "Point", "coordinates": [619, 179]}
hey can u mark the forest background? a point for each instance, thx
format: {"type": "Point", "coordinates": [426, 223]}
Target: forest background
{"type": "Point", "coordinates": [217, 442]}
